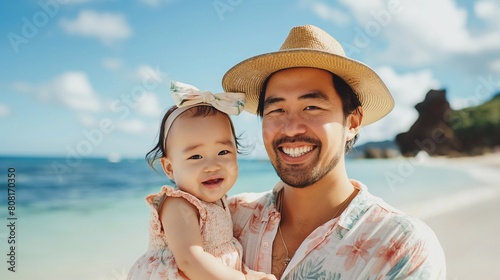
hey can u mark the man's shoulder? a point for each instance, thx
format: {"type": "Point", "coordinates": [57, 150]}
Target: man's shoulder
{"type": "Point", "coordinates": [414, 240]}
{"type": "Point", "coordinates": [377, 213]}
{"type": "Point", "coordinates": [391, 221]}
{"type": "Point", "coordinates": [401, 245]}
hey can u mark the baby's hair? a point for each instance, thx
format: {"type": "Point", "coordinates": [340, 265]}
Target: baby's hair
{"type": "Point", "coordinates": [160, 151]}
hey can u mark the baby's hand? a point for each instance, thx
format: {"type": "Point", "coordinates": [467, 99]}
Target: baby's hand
{"type": "Point", "coordinates": [268, 277]}
{"type": "Point", "coordinates": [254, 275]}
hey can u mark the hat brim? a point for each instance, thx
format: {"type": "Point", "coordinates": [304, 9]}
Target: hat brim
{"type": "Point", "coordinates": [249, 75]}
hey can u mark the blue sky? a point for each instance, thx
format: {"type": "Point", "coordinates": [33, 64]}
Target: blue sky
{"type": "Point", "coordinates": [83, 78]}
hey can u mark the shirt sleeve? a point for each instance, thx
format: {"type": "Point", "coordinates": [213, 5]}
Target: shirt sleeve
{"type": "Point", "coordinates": [423, 258]}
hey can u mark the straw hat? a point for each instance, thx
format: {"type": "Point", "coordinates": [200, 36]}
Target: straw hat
{"type": "Point", "coordinates": [310, 46]}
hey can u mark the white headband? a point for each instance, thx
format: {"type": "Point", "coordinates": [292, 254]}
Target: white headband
{"type": "Point", "coordinates": [187, 96]}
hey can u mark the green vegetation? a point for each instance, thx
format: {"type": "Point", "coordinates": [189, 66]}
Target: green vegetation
{"type": "Point", "coordinates": [478, 127]}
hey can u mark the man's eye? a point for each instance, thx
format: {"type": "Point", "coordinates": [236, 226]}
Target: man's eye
{"type": "Point", "coordinates": [275, 111]}
{"type": "Point", "coordinates": [224, 152]}
{"type": "Point", "coordinates": [195, 157]}
{"type": "Point", "coordinates": [312, 108]}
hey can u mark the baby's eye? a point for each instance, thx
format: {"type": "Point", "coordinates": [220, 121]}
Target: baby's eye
{"type": "Point", "coordinates": [195, 157]}
{"type": "Point", "coordinates": [224, 152]}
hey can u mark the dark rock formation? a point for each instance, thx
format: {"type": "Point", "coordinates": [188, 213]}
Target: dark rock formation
{"type": "Point", "coordinates": [439, 130]}
{"type": "Point", "coordinates": [380, 149]}
{"type": "Point", "coordinates": [431, 131]}
{"type": "Point", "coordinates": [374, 152]}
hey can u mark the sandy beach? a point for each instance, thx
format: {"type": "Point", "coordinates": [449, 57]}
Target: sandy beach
{"type": "Point", "coordinates": [467, 223]}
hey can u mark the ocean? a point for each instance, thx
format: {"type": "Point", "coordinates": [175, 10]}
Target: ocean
{"type": "Point", "coordinates": [87, 219]}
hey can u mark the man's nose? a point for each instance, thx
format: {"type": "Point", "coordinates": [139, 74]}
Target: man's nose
{"type": "Point", "coordinates": [293, 124]}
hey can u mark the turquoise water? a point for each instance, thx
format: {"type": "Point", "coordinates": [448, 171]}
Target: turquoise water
{"type": "Point", "coordinates": [90, 221]}
{"type": "Point", "coordinates": [398, 181]}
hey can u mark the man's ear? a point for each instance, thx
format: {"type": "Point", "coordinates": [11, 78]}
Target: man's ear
{"type": "Point", "coordinates": [353, 123]}
{"type": "Point", "coordinates": [167, 167]}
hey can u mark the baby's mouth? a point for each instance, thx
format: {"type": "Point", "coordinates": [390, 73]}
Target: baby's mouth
{"type": "Point", "coordinates": [212, 182]}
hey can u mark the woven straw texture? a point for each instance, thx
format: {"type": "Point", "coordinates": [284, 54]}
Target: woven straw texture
{"type": "Point", "coordinates": [310, 46]}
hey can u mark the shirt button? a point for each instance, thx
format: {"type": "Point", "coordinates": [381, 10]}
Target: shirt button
{"type": "Point", "coordinates": [265, 244]}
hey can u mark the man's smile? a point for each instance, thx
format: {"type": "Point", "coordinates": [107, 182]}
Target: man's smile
{"type": "Point", "coordinates": [296, 151]}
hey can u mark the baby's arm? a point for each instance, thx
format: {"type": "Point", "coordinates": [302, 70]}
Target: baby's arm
{"type": "Point", "coordinates": [184, 239]}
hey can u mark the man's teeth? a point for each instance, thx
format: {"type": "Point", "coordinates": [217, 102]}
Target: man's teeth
{"type": "Point", "coordinates": [298, 151]}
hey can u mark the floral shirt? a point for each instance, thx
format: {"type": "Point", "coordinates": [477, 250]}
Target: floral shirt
{"type": "Point", "coordinates": [370, 240]}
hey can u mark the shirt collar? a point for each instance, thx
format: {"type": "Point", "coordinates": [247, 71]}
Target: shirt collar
{"type": "Point", "coordinates": [270, 208]}
{"type": "Point", "coordinates": [358, 206]}
{"type": "Point", "coordinates": [349, 217]}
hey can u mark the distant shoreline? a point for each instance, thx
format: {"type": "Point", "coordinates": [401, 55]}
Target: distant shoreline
{"type": "Point", "coordinates": [9, 156]}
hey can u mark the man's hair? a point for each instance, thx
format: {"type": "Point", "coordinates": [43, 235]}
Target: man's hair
{"type": "Point", "coordinates": [350, 102]}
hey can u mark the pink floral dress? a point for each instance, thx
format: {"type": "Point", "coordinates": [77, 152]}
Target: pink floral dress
{"type": "Point", "coordinates": [216, 230]}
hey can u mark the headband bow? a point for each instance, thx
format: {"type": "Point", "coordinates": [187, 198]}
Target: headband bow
{"type": "Point", "coordinates": [231, 103]}
{"type": "Point", "coordinates": [187, 96]}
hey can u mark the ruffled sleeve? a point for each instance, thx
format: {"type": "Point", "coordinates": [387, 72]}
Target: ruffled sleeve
{"type": "Point", "coordinates": [155, 201]}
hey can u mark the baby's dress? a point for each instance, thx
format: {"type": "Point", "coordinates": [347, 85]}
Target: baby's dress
{"type": "Point", "coordinates": [216, 230]}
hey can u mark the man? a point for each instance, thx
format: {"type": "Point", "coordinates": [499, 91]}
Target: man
{"type": "Point", "coordinates": [317, 223]}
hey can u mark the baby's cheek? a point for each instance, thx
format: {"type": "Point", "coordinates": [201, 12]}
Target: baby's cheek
{"type": "Point", "coordinates": [232, 166]}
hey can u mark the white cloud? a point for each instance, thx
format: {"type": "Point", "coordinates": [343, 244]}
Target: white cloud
{"type": "Point", "coordinates": [72, 89]}
{"type": "Point", "coordinates": [246, 117]}
{"type": "Point", "coordinates": [87, 120]}
{"type": "Point", "coordinates": [149, 105]}
{"type": "Point", "coordinates": [73, 2]}
{"type": "Point", "coordinates": [107, 27]}
{"type": "Point", "coordinates": [112, 63]}
{"type": "Point", "coordinates": [155, 3]}
{"type": "Point", "coordinates": [147, 73]}
{"type": "Point", "coordinates": [149, 78]}
{"type": "Point", "coordinates": [22, 87]}
{"type": "Point", "coordinates": [495, 65]}
{"type": "Point", "coordinates": [457, 103]}
{"type": "Point", "coordinates": [408, 90]}
{"type": "Point", "coordinates": [362, 9]}
{"type": "Point", "coordinates": [421, 32]}
{"type": "Point", "coordinates": [4, 110]}
{"type": "Point", "coordinates": [327, 12]}
{"type": "Point", "coordinates": [134, 126]}
{"type": "Point", "coordinates": [487, 10]}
